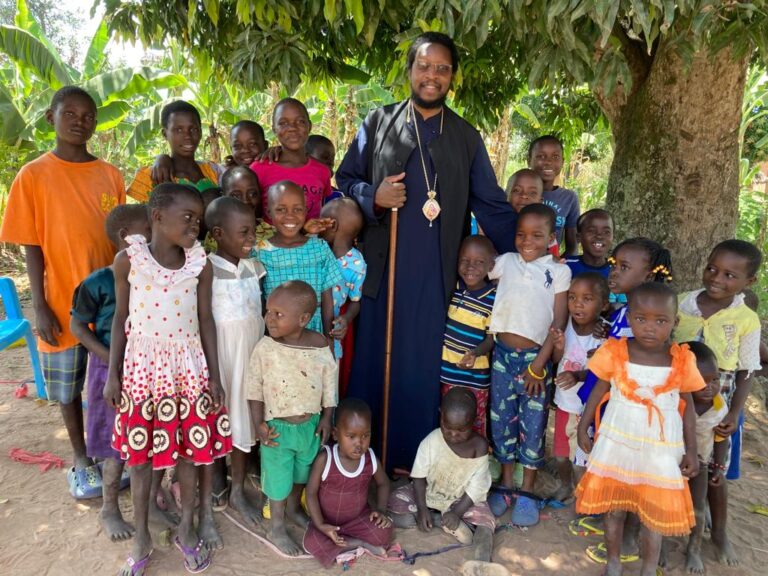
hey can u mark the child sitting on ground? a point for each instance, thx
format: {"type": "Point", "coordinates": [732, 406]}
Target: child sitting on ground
{"type": "Point", "coordinates": [451, 479]}
{"type": "Point", "coordinates": [532, 297]}
{"type": "Point", "coordinates": [718, 316]}
{"type": "Point", "coordinates": [467, 343]}
{"type": "Point", "coordinates": [587, 299]}
{"type": "Point", "coordinates": [164, 372]}
{"type": "Point", "coordinates": [595, 233]}
{"type": "Point", "coordinates": [292, 392]}
{"type": "Point", "coordinates": [337, 490]}
{"type": "Point", "coordinates": [236, 303]}
{"type": "Point", "coordinates": [291, 125]}
{"type": "Point", "coordinates": [347, 224]}
{"type": "Point", "coordinates": [94, 304]}
{"type": "Point", "coordinates": [182, 129]}
{"type": "Point", "coordinates": [56, 210]}
{"type": "Point", "coordinates": [644, 449]}
{"type": "Point", "coordinates": [712, 448]}
{"type": "Point", "coordinates": [292, 255]}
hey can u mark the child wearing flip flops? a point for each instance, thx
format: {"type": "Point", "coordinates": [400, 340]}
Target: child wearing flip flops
{"type": "Point", "coordinates": [337, 491]}
{"type": "Point", "coordinates": [451, 479]}
{"type": "Point", "coordinates": [164, 372]}
{"type": "Point", "coordinates": [94, 305]}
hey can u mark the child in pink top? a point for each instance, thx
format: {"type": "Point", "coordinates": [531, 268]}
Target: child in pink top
{"type": "Point", "coordinates": [291, 125]}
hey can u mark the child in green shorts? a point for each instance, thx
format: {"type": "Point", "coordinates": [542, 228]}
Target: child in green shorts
{"type": "Point", "coordinates": [292, 390]}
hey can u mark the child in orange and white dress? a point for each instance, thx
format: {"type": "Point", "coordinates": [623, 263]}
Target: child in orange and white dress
{"type": "Point", "coordinates": [644, 448]}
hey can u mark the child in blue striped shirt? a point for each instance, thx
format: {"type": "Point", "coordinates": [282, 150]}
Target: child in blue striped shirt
{"type": "Point", "coordinates": [466, 343]}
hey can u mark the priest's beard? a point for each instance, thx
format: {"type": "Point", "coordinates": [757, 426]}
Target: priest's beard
{"type": "Point", "coordinates": [428, 105]}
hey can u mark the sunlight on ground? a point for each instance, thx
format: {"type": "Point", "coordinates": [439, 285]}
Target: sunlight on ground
{"type": "Point", "coordinates": [422, 572]}
{"type": "Point", "coordinates": [4, 408]}
{"type": "Point", "coordinates": [61, 434]}
{"type": "Point", "coordinates": [553, 562]}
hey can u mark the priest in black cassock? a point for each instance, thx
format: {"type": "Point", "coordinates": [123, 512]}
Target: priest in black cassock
{"type": "Point", "coordinates": [427, 161]}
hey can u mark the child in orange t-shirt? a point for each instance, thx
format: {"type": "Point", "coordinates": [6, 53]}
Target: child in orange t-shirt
{"type": "Point", "coordinates": [57, 210]}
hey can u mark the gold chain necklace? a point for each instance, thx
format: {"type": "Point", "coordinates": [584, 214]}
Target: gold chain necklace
{"type": "Point", "coordinates": [431, 208]}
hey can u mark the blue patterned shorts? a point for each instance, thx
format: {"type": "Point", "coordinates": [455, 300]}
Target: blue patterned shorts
{"type": "Point", "coordinates": [64, 373]}
{"type": "Point", "coordinates": [518, 421]}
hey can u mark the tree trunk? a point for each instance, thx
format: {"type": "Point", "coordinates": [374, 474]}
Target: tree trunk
{"type": "Point", "coordinates": [675, 171]}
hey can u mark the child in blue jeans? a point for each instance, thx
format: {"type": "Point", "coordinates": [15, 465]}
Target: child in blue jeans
{"type": "Point", "coordinates": [94, 304]}
{"type": "Point", "coordinates": [531, 298]}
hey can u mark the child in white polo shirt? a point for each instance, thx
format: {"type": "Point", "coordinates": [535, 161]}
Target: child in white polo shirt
{"type": "Point", "coordinates": [531, 298]}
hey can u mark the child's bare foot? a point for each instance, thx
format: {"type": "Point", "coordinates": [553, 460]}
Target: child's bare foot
{"type": "Point", "coordinates": [208, 531]}
{"type": "Point", "coordinates": [136, 563]}
{"type": "Point", "coordinates": [298, 517]}
{"type": "Point", "coordinates": [725, 552]}
{"type": "Point", "coordinates": [375, 550]}
{"type": "Point", "coordinates": [114, 524]}
{"type": "Point", "coordinates": [480, 568]}
{"type": "Point", "coordinates": [280, 538]}
{"type": "Point", "coordinates": [693, 562]}
{"type": "Point", "coordinates": [248, 512]}
{"type": "Point", "coordinates": [163, 518]}
{"type": "Point", "coordinates": [613, 568]}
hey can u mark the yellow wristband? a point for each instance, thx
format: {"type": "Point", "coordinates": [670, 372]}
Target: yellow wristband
{"type": "Point", "coordinates": [536, 376]}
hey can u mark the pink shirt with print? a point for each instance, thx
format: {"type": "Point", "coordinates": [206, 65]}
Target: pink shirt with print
{"type": "Point", "coordinates": [314, 178]}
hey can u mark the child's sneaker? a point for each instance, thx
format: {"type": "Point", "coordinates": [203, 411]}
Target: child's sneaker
{"type": "Point", "coordinates": [498, 502]}
{"type": "Point", "coordinates": [525, 512]}
{"type": "Point", "coordinates": [84, 483]}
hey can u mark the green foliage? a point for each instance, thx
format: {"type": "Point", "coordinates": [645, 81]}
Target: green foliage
{"type": "Point", "coordinates": [504, 44]}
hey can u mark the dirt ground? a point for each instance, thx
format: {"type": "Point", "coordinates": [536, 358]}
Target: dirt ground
{"type": "Point", "coordinates": [44, 531]}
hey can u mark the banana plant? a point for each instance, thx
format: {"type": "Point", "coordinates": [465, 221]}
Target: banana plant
{"type": "Point", "coordinates": [37, 71]}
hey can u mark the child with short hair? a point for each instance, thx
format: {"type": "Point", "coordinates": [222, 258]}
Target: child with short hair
{"type": "Point", "coordinates": [644, 449]}
{"type": "Point", "coordinates": [337, 490]}
{"type": "Point", "coordinates": [595, 233]}
{"type": "Point", "coordinates": [164, 372]}
{"type": "Point", "coordinates": [292, 255]}
{"type": "Point", "coordinates": [545, 156]}
{"type": "Point", "coordinates": [712, 448]}
{"type": "Point", "coordinates": [322, 149]}
{"type": "Point", "coordinates": [291, 125]}
{"type": "Point", "coordinates": [57, 208]}
{"type": "Point", "coordinates": [240, 182]}
{"type": "Point", "coordinates": [236, 307]}
{"type": "Point", "coordinates": [341, 236]}
{"type": "Point", "coordinates": [450, 479]}
{"type": "Point", "coordinates": [247, 142]}
{"type": "Point", "coordinates": [94, 304]}
{"type": "Point", "coordinates": [532, 297]}
{"type": "Point", "coordinates": [587, 300]}
{"type": "Point", "coordinates": [718, 316]}
{"type": "Point", "coordinates": [292, 392]}
{"type": "Point", "coordinates": [524, 187]}
{"type": "Point", "coordinates": [467, 342]}
{"type": "Point", "coordinates": [182, 130]}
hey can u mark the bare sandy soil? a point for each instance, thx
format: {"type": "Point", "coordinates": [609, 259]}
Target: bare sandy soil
{"type": "Point", "coordinates": [44, 531]}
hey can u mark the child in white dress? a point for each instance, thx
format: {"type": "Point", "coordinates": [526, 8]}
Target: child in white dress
{"type": "Point", "coordinates": [236, 303]}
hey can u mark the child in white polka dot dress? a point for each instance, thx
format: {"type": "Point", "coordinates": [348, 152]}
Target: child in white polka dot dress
{"type": "Point", "coordinates": [163, 346]}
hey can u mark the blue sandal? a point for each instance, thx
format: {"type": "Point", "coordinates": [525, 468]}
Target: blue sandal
{"type": "Point", "coordinates": [84, 483]}
{"type": "Point", "coordinates": [525, 512]}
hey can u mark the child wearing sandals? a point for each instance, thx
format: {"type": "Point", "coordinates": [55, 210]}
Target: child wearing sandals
{"type": "Point", "coordinates": [292, 390]}
{"type": "Point", "coordinates": [451, 479]}
{"type": "Point", "coordinates": [236, 303]}
{"type": "Point", "coordinates": [644, 448]}
{"type": "Point", "coordinates": [94, 304]}
{"type": "Point", "coordinates": [337, 490]}
{"type": "Point", "coordinates": [163, 347]}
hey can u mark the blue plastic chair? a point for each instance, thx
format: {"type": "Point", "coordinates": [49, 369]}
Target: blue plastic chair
{"type": "Point", "coordinates": [15, 326]}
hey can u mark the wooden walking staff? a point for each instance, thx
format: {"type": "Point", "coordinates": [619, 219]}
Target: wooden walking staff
{"type": "Point", "coordinates": [388, 337]}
